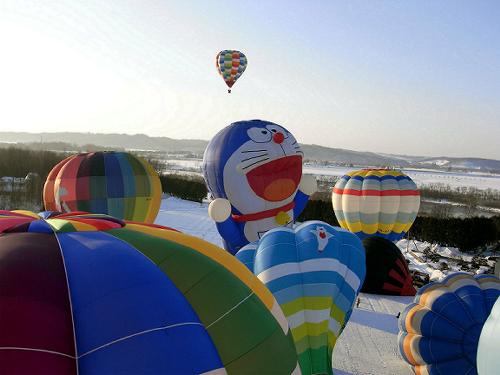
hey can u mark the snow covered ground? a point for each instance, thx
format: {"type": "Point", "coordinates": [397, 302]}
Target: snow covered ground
{"type": "Point", "coordinates": [451, 256]}
{"type": "Point", "coordinates": [424, 176]}
{"type": "Point", "coordinates": [368, 344]}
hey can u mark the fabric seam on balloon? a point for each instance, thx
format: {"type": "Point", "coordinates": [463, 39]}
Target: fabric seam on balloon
{"type": "Point", "coordinates": [37, 350]}
{"type": "Point", "coordinates": [69, 297]}
{"type": "Point", "coordinates": [231, 309]}
{"type": "Point", "coordinates": [138, 334]}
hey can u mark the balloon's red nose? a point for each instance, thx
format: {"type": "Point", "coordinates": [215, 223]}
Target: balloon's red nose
{"type": "Point", "coordinates": [278, 138]}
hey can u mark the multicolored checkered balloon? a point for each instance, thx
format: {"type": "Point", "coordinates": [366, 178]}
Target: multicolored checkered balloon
{"type": "Point", "coordinates": [114, 183]}
{"type": "Point", "coordinates": [231, 65]}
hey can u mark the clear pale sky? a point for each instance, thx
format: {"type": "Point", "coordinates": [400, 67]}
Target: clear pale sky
{"type": "Point", "coordinates": [407, 77]}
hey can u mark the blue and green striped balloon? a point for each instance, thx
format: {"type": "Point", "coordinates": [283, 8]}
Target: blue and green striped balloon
{"type": "Point", "coordinates": [315, 272]}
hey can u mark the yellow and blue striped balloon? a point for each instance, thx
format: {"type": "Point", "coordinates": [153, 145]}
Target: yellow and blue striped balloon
{"type": "Point", "coordinates": [376, 202]}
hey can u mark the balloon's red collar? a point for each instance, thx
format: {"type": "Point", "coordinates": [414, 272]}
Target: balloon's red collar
{"type": "Point", "coordinates": [263, 214]}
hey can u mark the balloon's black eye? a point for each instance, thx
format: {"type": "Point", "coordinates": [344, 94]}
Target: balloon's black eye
{"type": "Point", "coordinates": [273, 130]}
{"type": "Point", "coordinates": [264, 131]}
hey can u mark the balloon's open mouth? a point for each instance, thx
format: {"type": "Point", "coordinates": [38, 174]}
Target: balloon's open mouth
{"type": "Point", "coordinates": [277, 179]}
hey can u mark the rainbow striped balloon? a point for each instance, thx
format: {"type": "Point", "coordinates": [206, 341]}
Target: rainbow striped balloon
{"type": "Point", "coordinates": [439, 333]}
{"type": "Point", "coordinates": [92, 294]}
{"type": "Point", "coordinates": [114, 183]}
{"type": "Point", "coordinates": [315, 272]}
{"type": "Point", "coordinates": [230, 65]}
{"type": "Point", "coordinates": [380, 202]}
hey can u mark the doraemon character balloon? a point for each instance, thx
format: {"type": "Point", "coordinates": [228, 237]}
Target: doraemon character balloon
{"type": "Point", "coordinates": [254, 170]}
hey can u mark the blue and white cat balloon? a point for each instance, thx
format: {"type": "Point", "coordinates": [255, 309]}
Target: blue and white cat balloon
{"type": "Point", "coordinates": [253, 169]}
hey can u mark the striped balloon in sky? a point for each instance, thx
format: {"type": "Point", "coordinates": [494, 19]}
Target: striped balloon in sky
{"type": "Point", "coordinates": [114, 183]}
{"type": "Point", "coordinates": [439, 332]}
{"type": "Point", "coordinates": [92, 294]}
{"type": "Point", "coordinates": [315, 272]}
{"type": "Point", "coordinates": [230, 64]}
{"type": "Point", "coordinates": [376, 202]}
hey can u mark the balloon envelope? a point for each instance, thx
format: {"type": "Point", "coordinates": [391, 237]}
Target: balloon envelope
{"type": "Point", "coordinates": [376, 202]}
{"type": "Point", "coordinates": [115, 183]}
{"type": "Point", "coordinates": [439, 332]}
{"type": "Point", "coordinates": [230, 64]}
{"type": "Point", "coordinates": [315, 272]}
{"type": "Point", "coordinates": [488, 358]}
{"type": "Point", "coordinates": [386, 269]}
{"type": "Point", "coordinates": [91, 294]}
{"type": "Point", "coordinates": [257, 166]}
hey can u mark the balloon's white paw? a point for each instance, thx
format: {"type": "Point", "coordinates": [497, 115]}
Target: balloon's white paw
{"type": "Point", "coordinates": [219, 210]}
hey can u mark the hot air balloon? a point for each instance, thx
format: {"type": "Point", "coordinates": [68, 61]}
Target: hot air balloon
{"type": "Point", "coordinates": [488, 360]}
{"type": "Point", "coordinates": [439, 332]}
{"type": "Point", "coordinates": [230, 64]}
{"type": "Point", "coordinates": [315, 272]}
{"type": "Point", "coordinates": [254, 169]}
{"type": "Point", "coordinates": [92, 294]}
{"type": "Point", "coordinates": [386, 269]}
{"type": "Point", "coordinates": [376, 202]}
{"type": "Point", "coordinates": [115, 183]}
{"type": "Point", "coordinates": [49, 198]}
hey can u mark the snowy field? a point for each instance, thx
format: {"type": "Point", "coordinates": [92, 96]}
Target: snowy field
{"type": "Point", "coordinates": [188, 217]}
{"type": "Point", "coordinates": [425, 177]}
{"type": "Point", "coordinates": [420, 176]}
{"type": "Point", "coordinates": [368, 344]}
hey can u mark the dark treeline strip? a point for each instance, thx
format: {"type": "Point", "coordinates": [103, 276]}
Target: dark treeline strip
{"type": "Point", "coordinates": [468, 195]}
{"type": "Point", "coordinates": [466, 234]}
{"type": "Point", "coordinates": [317, 209]}
{"type": "Point", "coordinates": [17, 162]}
{"type": "Point", "coordinates": [192, 188]}
{"type": "Point", "coordinates": [60, 146]}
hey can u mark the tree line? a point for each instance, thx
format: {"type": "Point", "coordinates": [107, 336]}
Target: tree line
{"type": "Point", "coordinates": [467, 234]}
{"type": "Point", "coordinates": [464, 233]}
{"type": "Point", "coordinates": [189, 187]}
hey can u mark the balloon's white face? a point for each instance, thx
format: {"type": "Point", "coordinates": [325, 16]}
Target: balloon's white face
{"type": "Point", "coordinates": [264, 172]}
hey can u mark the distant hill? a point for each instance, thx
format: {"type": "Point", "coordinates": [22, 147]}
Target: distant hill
{"type": "Point", "coordinates": [465, 163]}
{"type": "Point", "coordinates": [342, 156]}
{"type": "Point", "coordinates": [197, 147]}
{"type": "Point", "coordinates": [126, 141]}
